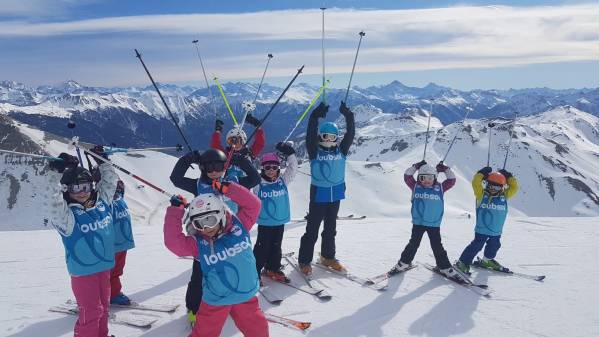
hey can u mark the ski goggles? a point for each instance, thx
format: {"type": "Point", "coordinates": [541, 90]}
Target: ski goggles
{"type": "Point", "coordinates": [270, 167]}
{"type": "Point", "coordinates": [80, 188]}
{"type": "Point", "coordinates": [494, 188]}
{"type": "Point", "coordinates": [423, 177]}
{"type": "Point", "coordinates": [216, 166]}
{"type": "Point", "coordinates": [203, 222]}
{"type": "Point", "coordinates": [328, 137]}
{"type": "Point", "coordinates": [234, 140]}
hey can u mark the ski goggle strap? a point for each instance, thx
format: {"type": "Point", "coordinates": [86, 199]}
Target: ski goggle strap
{"type": "Point", "coordinates": [206, 221]}
{"type": "Point", "coordinates": [79, 188]}
{"type": "Point", "coordinates": [329, 137]}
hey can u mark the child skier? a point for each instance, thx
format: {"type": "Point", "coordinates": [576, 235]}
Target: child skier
{"type": "Point", "coordinates": [82, 217]}
{"type": "Point", "coordinates": [427, 213]}
{"type": "Point", "coordinates": [123, 241]}
{"type": "Point", "coordinates": [327, 188]}
{"type": "Point", "coordinates": [212, 165]}
{"type": "Point", "coordinates": [275, 212]}
{"type": "Point", "coordinates": [236, 140]}
{"type": "Point", "coordinates": [491, 212]}
{"type": "Point", "coordinates": [223, 248]}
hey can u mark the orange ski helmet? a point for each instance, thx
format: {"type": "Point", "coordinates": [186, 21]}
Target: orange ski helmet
{"type": "Point", "coordinates": [496, 178]}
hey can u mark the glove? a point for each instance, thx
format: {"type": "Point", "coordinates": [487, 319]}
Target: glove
{"type": "Point", "coordinates": [419, 164]}
{"type": "Point", "coordinates": [218, 125]}
{"type": "Point", "coordinates": [64, 161]}
{"type": "Point", "coordinates": [285, 148]}
{"type": "Point", "coordinates": [485, 171]}
{"type": "Point", "coordinates": [99, 150]}
{"type": "Point", "coordinates": [193, 156]}
{"type": "Point", "coordinates": [244, 152]}
{"type": "Point", "coordinates": [178, 201]}
{"type": "Point", "coordinates": [442, 167]}
{"type": "Point", "coordinates": [344, 110]}
{"type": "Point", "coordinates": [220, 186]}
{"type": "Point", "coordinates": [320, 111]}
{"type": "Point", "coordinates": [252, 120]}
{"type": "Point", "coordinates": [505, 173]}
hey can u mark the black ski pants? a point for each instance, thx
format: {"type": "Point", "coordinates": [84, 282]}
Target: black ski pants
{"type": "Point", "coordinates": [434, 235]}
{"type": "Point", "coordinates": [267, 249]}
{"type": "Point", "coordinates": [318, 212]}
{"type": "Point", "coordinates": [193, 296]}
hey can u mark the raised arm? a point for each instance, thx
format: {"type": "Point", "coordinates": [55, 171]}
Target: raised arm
{"type": "Point", "coordinates": [60, 217]}
{"type": "Point", "coordinates": [259, 142]}
{"type": "Point", "coordinates": [312, 132]}
{"type": "Point", "coordinates": [408, 177]}
{"type": "Point", "coordinates": [252, 177]}
{"type": "Point", "coordinates": [249, 204]}
{"type": "Point", "coordinates": [107, 184]}
{"type": "Point", "coordinates": [350, 132]}
{"type": "Point", "coordinates": [178, 174]}
{"type": "Point", "coordinates": [174, 239]}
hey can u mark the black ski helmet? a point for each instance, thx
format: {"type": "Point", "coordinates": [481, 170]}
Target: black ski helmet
{"type": "Point", "coordinates": [76, 175]}
{"type": "Point", "coordinates": [213, 155]}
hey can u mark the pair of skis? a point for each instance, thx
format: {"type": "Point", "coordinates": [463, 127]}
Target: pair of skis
{"type": "Point", "coordinates": [130, 318]}
{"type": "Point", "coordinates": [478, 264]}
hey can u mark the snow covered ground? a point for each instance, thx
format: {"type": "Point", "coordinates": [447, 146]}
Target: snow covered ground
{"type": "Point", "coordinates": [418, 303]}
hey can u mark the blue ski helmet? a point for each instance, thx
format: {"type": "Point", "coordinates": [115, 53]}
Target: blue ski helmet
{"type": "Point", "coordinates": [328, 127]}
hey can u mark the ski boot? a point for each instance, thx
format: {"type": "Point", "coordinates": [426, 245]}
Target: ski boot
{"type": "Point", "coordinates": [454, 275]}
{"type": "Point", "coordinates": [306, 269]}
{"type": "Point", "coordinates": [191, 318]}
{"type": "Point", "coordinates": [492, 264]}
{"type": "Point", "coordinates": [278, 276]}
{"type": "Point", "coordinates": [120, 299]}
{"type": "Point", "coordinates": [399, 267]}
{"type": "Point", "coordinates": [461, 266]}
{"type": "Point", "coordinates": [333, 264]}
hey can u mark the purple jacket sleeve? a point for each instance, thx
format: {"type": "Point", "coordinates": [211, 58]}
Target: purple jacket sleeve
{"type": "Point", "coordinates": [408, 177]}
{"type": "Point", "coordinates": [174, 239]}
{"type": "Point", "coordinates": [450, 181]}
{"type": "Point", "coordinates": [249, 204]}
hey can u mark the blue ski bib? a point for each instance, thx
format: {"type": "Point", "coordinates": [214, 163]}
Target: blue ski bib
{"type": "Point", "coordinates": [275, 203]}
{"type": "Point", "coordinates": [490, 215]}
{"type": "Point", "coordinates": [328, 168]}
{"type": "Point", "coordinates": [427, 205]}
{"type": "Point", "coordinates": [228, 267]}
{"type": "Point", "coordinates": [90, 248]}
{"type": "Point", "coordinates": [123, 233]}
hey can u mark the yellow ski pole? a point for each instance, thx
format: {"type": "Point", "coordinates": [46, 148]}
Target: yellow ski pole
{"type": "Point", "coordinates": [222, 93]}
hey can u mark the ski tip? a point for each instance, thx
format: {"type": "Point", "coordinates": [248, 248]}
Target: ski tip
{"type": "Point", "coordinates": [540, 278]}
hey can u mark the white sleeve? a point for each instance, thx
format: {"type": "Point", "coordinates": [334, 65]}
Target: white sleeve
{"type": "Point", "coordinates": [107, 185]}
{"type": "Point", "coordinates": [410, 171]}
{"type": "Point", "coordinates": [291, 169]}
{"type": "Point", "coordinates": [61, 217]}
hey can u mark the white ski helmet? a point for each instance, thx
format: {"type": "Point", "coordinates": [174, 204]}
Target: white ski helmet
{"type": "Point", "coordinates": [237, 132]}
{"type": "Point", "coordinates": [204, 205]}
{"type": "Point", "coordinates": [427, 170]}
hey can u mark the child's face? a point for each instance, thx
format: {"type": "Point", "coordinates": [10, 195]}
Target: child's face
{"type": "Point", "coordinates": [271, 170]}
{"type": "Point", "coordinates": [210, 232]}
{"type": "Point", "coordinates": [426, 180]}
{"type": "Point", "coordinates": [80, 197]}
{"type": "Point", "coordinates": [215, 174]}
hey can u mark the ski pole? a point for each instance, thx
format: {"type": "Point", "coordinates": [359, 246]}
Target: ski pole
{"type": "Point", "coordinates": [323, 70]}
{"type": "Point", "coordinates": [428, 126]}
{"type": "Point", "coordinates": [509, 144]}
{"type": "Point", "coordinates": [456, 135]}
{"type": "Point", "coordinates": [253, 105]}
{"type": "Point", "coordinates": [222, 93]}
{"type": "Point", "coordinates": [299, 121]}
{"type": "Point", "coordinates": [71, 125]}
{"type": "Point", "coordinates": [75, 142]}
{"type": "Point", "coordinates": [354, 66]}
{"type": "Point", "coordinates": [138, 55]}
{"type": "Point", "coordinates": [111, 150]}
{"type": "Point", "coordinates": [299, 71]}
{"type": "Point", "coordinates": [30, 155]}
{"type": "Point", "coordinates": [490, 125]}
{"type": "Point", "coordinates": [195, 42]}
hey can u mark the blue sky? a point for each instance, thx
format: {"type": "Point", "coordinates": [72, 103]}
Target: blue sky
{"type": "Point", "coordinates": [465, 45]}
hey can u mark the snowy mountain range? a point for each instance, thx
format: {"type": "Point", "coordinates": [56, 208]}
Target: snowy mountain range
{"type": "Point", "coordinates": [135, 116]}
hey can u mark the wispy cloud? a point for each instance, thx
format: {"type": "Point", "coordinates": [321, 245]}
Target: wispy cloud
{"type": "Point", "coordinates": [397, 40]}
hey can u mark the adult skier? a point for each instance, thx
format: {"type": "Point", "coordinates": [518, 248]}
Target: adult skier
{"type": "Point", "coordinates": [327, 189]}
